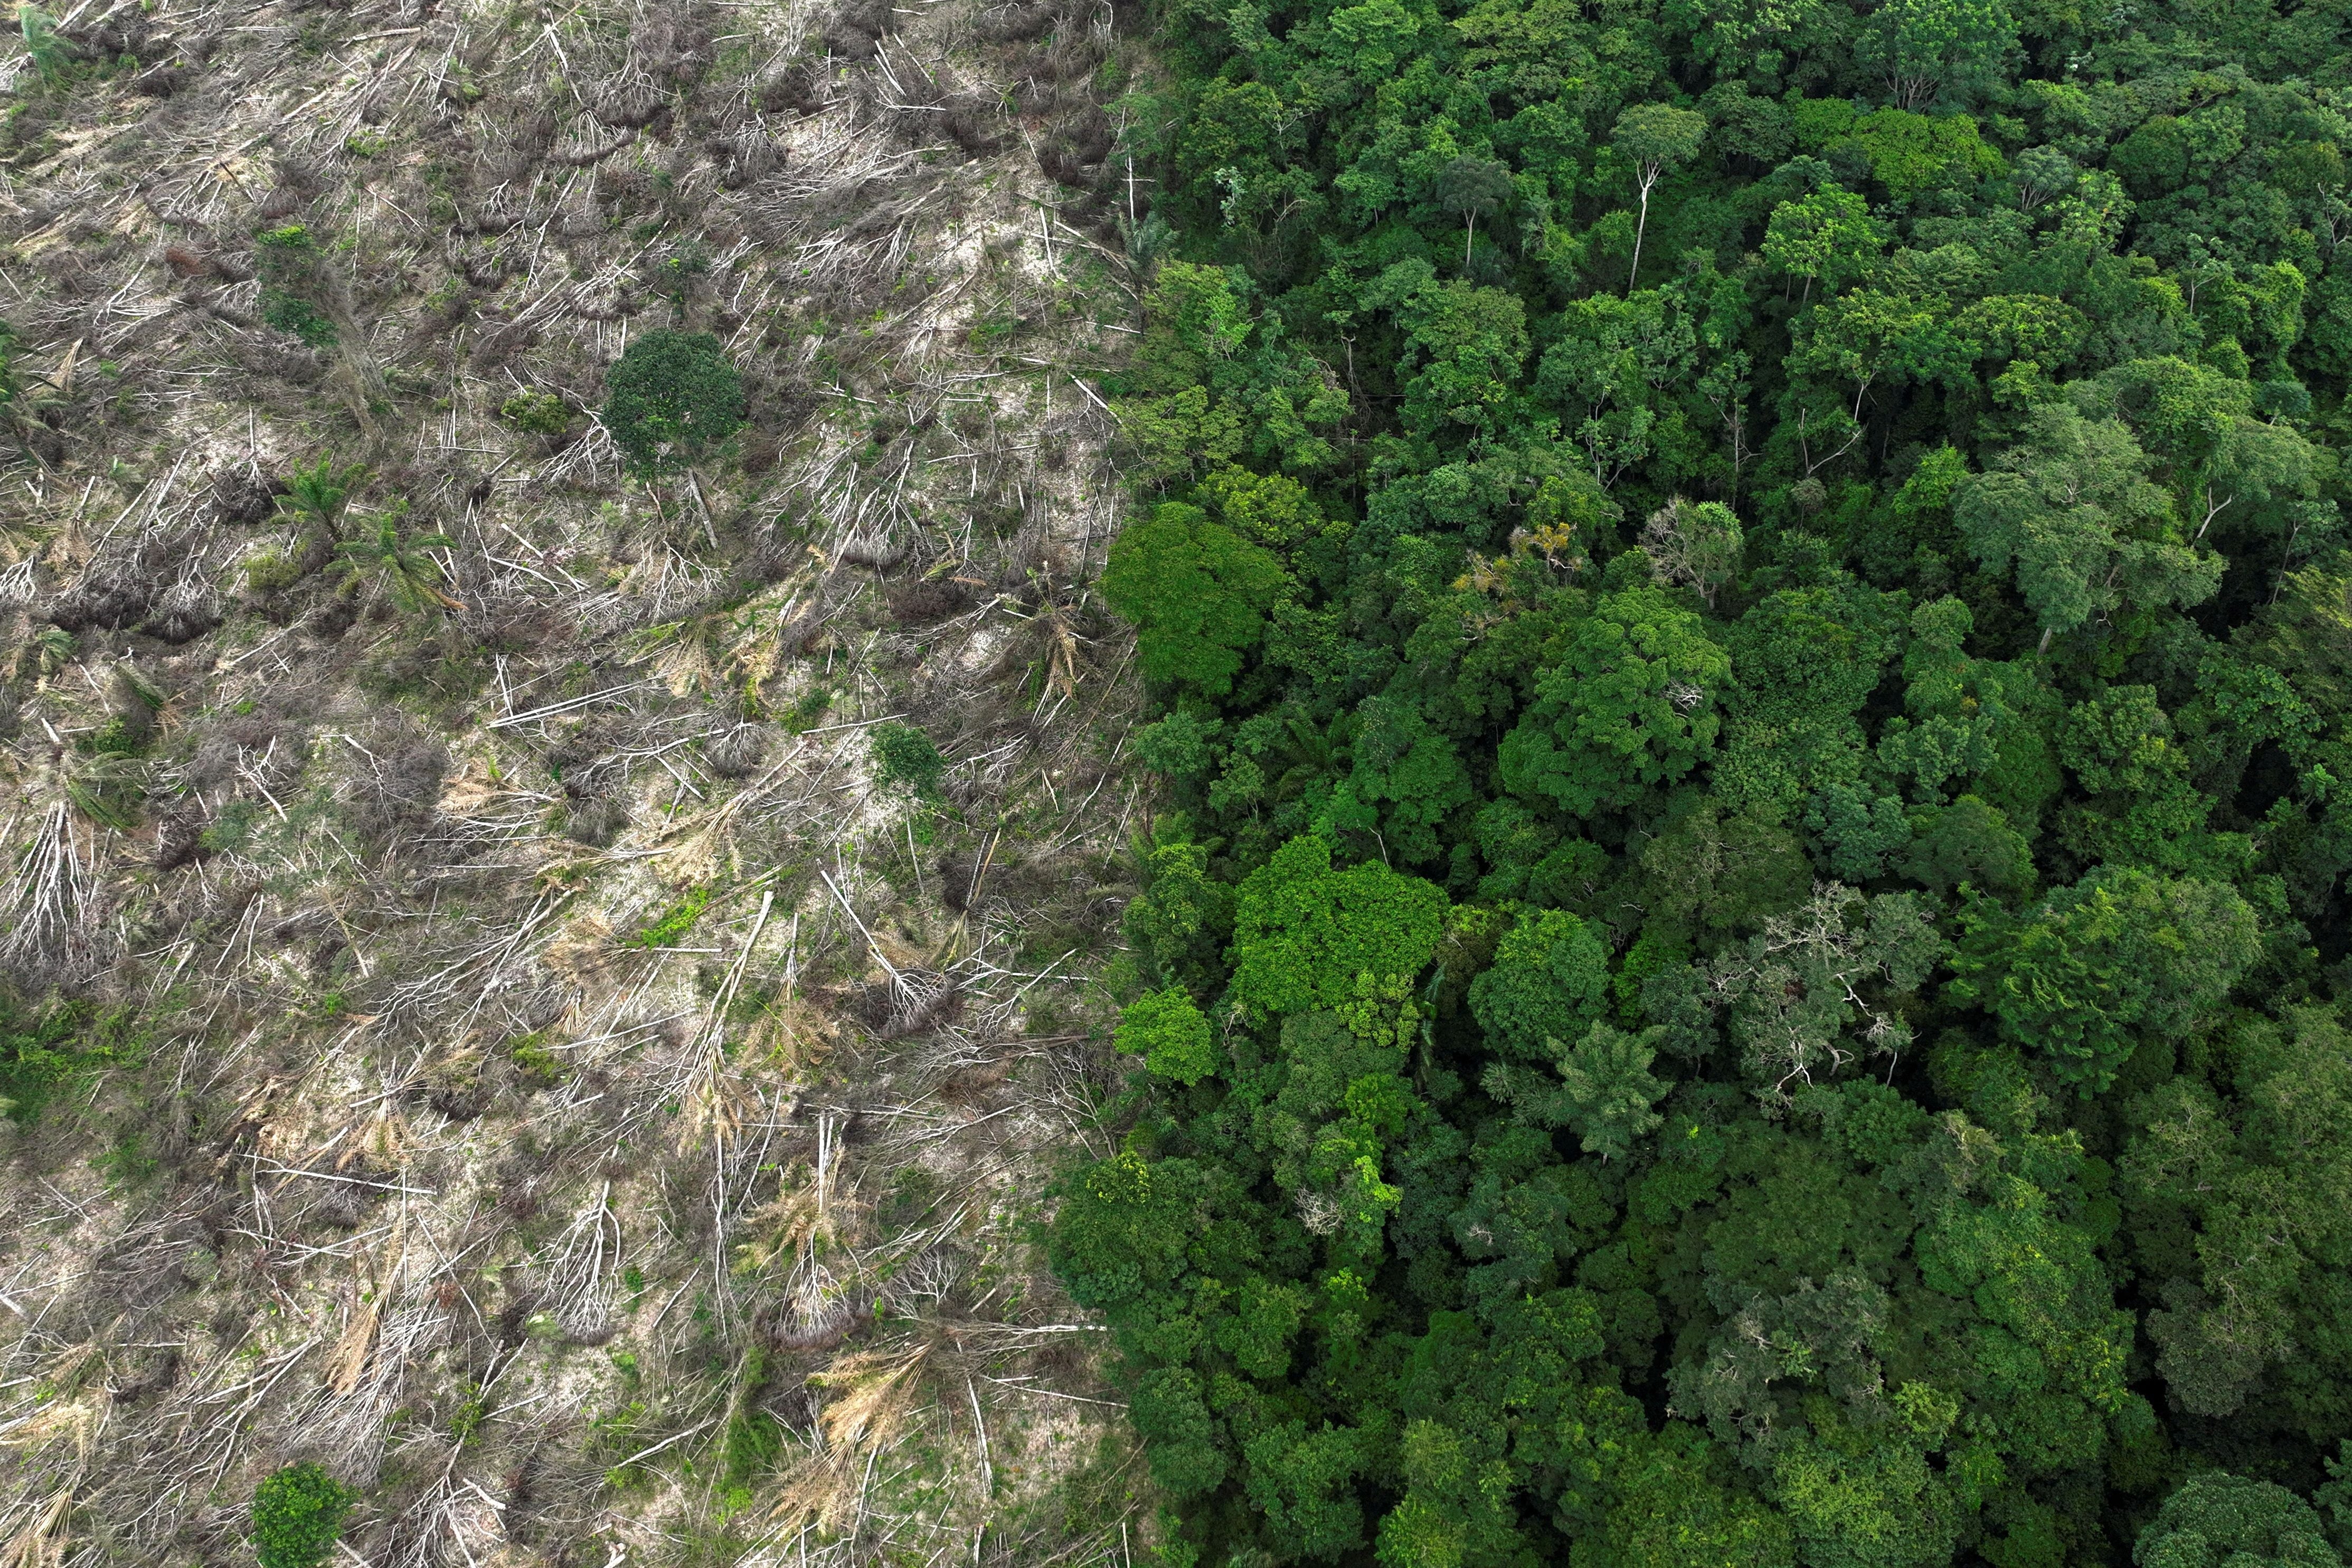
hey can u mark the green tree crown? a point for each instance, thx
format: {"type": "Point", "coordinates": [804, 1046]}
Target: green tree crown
{"type": "Point", "coordinates": [672, 399]}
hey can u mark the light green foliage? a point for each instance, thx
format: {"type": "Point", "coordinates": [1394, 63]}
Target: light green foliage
{"type": "Point", "coordinates": [671, 400]}
{"type": "Point", "coordinates": [1272, 510]}
{"type": "Point", "coordinates": [539, 413]}
{"type": "Point", "coordinates": [1170, 1035]}
{"type": "Point", "coordinates": [298, 1516]}
{"type": "Point", "coordinates": [2072, 511]}
{"type": "Point", "coordinates": [1216, 381]}
{"type": "Point", "coordinates": [288, 262]}
{"type": "Point", "coordinates": [665, 929]}
{"type": "Point", "coordinates": [39, 31]}
{"type": "Point", "coordinates": [1827, 237]}
{"type": "Point", "coordinates": [1303, 932]}
{"type": "Point", "coordinates": [1199, 595]}
{"type": "Point", "coordinates": [1913, 153]}
{"type": "Point", "coordinates": [1606, 1089]}
{"type": "Point", "coordinates": [47, 1051]}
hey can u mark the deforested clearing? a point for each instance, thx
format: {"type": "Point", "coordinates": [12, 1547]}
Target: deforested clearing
{"type": "Point", "coordinates": [550, 964]}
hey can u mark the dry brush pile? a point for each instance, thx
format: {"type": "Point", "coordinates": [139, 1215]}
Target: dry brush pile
{"type": "Point", "coordinates": [555, 997]}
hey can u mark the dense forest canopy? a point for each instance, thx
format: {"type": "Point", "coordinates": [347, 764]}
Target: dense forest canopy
{"type": "Point", "coordinates": [1753, 632]}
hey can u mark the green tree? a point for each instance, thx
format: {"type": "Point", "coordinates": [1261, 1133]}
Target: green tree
{"type": "Point", "coordinates": [1464, 348]}
{"type": "Point", "coordinates": [1631, 702]}
{"type": "Point", "coordinates": [1213, 381]}
{"type": "Point", "coordinates": [1926, 49]}
{"type": "Point", "coordinates": [1178, 924]}
{"type": "Point", "coordinates": [2216, 1518]}
{"type": "Point", "coordinates": [1304, 932]}
{"type": "Point", "coordinates": [1412, 774]}
{"type": "Point", "coordinates": [1199, 595]}
{"type": "Point", "coordinates": [1170, 1035]}
{"type": "Point", "coordinates": [1820, 986]}
{"type": "Point", "coordinates": [39, 31]}
{"type": "Point", "coordinates": [2084, 972]}
{"type": "Point", "coordinates": [1185, 1442]}
{"type": "Point", "coordinates": [2237, 1195]}
{"type": "Point", "coordinates": [1828, 236]}
{"type": "Point", "coordinates": [1473, 188]}
{"type": "Point", "coordinates": [1549, 978]}
{"type": "Point", "coordinates": [1969, 844]}
{"type": "Point", "coordinates": [1606, 1089]}
{"type": "Point", "coordinates": [297, 1517]}
{"type": "Point", "coordinates": [671, 400]}
{"type": "Point", "coordinates": [2074, 511]}
{"type": "Point", "coordinates": [1653, 137]}
{"type": "Point", "coordinates": [315, 498]}
{"type": "Point", "coordinates": [1694, 544]}
{"type": "Point", "coordinates": [401, 562]}
{"type": "Point", "coordinates": [290, 265]}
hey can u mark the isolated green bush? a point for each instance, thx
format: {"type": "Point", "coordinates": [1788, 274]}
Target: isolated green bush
{"type": "Point", "coordinates": [298, 1516]}
{"type": "Point", "coordinates": [671, 400]}
{"type": "Point", "coordinates": [904, 757]}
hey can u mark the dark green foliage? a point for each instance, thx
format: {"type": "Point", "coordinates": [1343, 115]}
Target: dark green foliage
{"type": "Point", "coordinates": [2084, 972]}
{"type": "Point", "coordinates": [401, 562]}
{"type": "Point", "coordinates": [12, 386]}
{"type": "Point", "coordinates": [1745, 962]}
{"type": "Point", "coordinates": [38, 30]}
{"type": "Point", "coordinates": [1550, 982]}
{"type": "Point", "coordinates": [671, 400]}
{"type": "Point", "coordinates": [906, 758]}
{"type": "Point", "coordinates": [1631, 702]}
{"type": "Point", "coordinates": [316, 496]}
{"type": "Point", "coordinates": [298, 1516]}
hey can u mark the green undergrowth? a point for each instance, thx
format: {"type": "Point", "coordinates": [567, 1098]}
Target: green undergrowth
{"type": "Point", "coordinates": [48, 1050]}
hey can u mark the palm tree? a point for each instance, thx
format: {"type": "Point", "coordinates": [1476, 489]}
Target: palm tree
{"type": "Point", "coordinates": [408, 572]}
{"type": "Point", "coordinates": [315, 497]}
